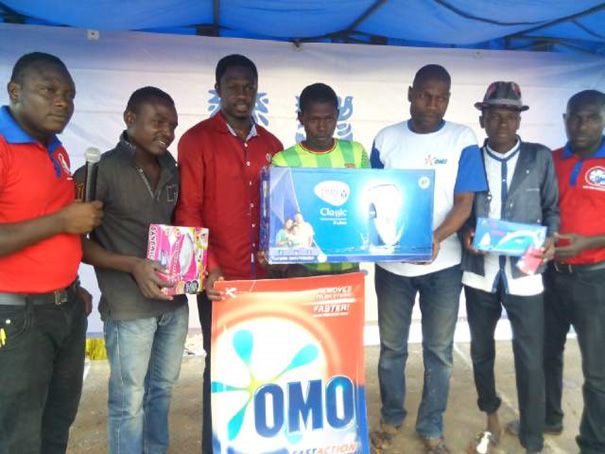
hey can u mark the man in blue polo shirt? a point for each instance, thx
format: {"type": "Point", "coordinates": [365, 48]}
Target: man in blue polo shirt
{"type": "Point", "coordinates": [425, 141]}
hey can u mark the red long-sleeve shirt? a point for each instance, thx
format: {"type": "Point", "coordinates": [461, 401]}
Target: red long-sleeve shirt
{"type": "Point", "coordinates": [219, 189]}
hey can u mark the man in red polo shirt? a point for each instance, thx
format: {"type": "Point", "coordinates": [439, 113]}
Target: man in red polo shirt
{"type": "Point", "coordinates": [219, 162]}
{"type": "Point", "coordinates": [42, 318]}
{"type": "Point", "coordinates": [575, 283]}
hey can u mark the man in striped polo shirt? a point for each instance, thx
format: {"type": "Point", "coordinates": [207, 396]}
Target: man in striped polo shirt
{"type": "Point", "coordinates": [318, 113]}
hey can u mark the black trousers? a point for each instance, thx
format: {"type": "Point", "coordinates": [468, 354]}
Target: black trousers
{"type": "Point", "coordinates": [577, 299]}
{"type": "Point", "coordinates": [41, 373]}
{"type": "Point", "coordinates": [204, 306]}
{"type": "Point", "coordinates": [526, 315]}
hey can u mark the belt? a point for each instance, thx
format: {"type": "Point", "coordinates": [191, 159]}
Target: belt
{"type": "Point", "coordinates": [58, 297]}
{"type": "Point", "coordinates": [568, 268]}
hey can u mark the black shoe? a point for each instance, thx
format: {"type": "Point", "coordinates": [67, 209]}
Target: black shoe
{"type": "Point", "coordinates": [550, 429]}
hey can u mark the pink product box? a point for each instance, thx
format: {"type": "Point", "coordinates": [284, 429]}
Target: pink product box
{"type": "Point", "coordinates": [183, 252]}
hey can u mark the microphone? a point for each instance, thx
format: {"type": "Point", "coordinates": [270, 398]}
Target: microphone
{"type": "Point", "coordinates": [93, 156]}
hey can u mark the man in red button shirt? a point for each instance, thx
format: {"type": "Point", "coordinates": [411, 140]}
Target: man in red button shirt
{"type": "Point", "coordinates": [42, 315]}
{"type": "Point", "coordinates": [575, 283]}
{"type": "Point", "coordinates": [219, 163]}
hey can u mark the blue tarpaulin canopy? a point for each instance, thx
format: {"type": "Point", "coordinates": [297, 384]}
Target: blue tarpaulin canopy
{"type": "Point", "coordinates": [551, 25]}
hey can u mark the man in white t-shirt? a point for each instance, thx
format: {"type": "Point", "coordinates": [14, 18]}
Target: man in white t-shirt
{"type": "Point", "coordinates": [425, 141]}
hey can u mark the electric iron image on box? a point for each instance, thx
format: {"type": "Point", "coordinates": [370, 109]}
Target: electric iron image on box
{"type": "Point", "coordinates": [384, 225]}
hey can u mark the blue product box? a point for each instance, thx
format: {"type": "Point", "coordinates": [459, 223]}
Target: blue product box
{"type": "Point", "coordinates": [507, 238]}
{"type": "Point", "coordinates": [315, 215]}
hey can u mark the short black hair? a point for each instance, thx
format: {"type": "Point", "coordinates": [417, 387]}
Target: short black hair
{"type": "Point", "coordinates": [317, 92]}
{"type": "Point", "coordinates": [234, 60]}
{"type": "Point", "coordinates": [28, 61]}
{"type": "Point", "coordinates": [432, 72]}
{"type": "Point", "coordinates": [587, 97]}
{"type": "Point", "coordinates": [147, 95]}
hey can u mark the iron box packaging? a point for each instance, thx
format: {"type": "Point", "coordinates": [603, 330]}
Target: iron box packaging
{"type": "Point", "coordinates": [507, 238]}
{"type": "Point", "coordinates": [183, 252]}
{"type": "Point", "coordinates": [346, 215]}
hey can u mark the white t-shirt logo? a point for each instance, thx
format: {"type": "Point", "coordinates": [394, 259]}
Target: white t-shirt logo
{"type": "Point", "coordinates": [432, 161]}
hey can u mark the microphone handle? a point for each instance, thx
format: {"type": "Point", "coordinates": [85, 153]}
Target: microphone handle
{"type": "Point", "coordinates": [90, 183]}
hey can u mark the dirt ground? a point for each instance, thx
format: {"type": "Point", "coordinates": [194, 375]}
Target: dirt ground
{"type": "Point", "coordinates": [462, 420]}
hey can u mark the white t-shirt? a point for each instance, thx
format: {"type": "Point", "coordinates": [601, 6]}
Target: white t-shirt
{"type": "Point", "coordinates": [453, 153]}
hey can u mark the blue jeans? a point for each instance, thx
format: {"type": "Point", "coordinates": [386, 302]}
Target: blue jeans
{"type": "Point", "coordinates": [145, 359]}
{"type": "Point", "coordinates": [576, 299]}
{"type": "Point", "coordinates": [41, 371]}
{"type": "Point", "coordinates": [526, 315]}
{"type": "Point", "coordinates": [439, 300]}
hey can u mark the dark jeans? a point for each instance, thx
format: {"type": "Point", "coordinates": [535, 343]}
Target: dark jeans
{"type": "Point", "coordinates": [204, 306]}
{"type": "Point", "coordinates": [439, 300]}
{"type": "Point", "coordinates": [577, 299]}
{"type": "Point", "coordinates": [526, 315]}
{"type": "Point", "coordinates": [41, 370]}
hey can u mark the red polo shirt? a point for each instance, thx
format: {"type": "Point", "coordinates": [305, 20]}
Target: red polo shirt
{"type": "Point", "coordinates": [582, 197]}
{"type": "Point", "coordinates": [35, 181]}
{"type": "Point", "coordinates": [219, 189]}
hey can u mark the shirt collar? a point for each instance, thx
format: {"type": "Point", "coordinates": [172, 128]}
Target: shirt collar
{"type": "Point", "coordinates": [437, 128]}
{"type": "Point", "coordinates": [508, 153]}
{"type": "Point", "coordinates": [251, 133]}
{"type": "Point", "coordinates": [126, 144]}
{"type": "Point", "coordinates": [14, 134]}
{"type": "Point", "coordinates": [224, 126]}
{"type": "Point", "coordinates": [164, 160]}
{"type": "Point", "coordinates": [600, 153]}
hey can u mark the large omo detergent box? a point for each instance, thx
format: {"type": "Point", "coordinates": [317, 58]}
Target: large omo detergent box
{"type": "Point", "coordinates": [315, 215]}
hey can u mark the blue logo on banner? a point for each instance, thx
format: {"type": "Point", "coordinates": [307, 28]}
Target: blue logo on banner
{"type": "Point", "coordinates": [344, 130]}
{"type": "Point", "coordinates": [261, 108]}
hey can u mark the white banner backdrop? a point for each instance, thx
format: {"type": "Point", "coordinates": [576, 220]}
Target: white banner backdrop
{"type": "Point", "coordinates": [371, 82]}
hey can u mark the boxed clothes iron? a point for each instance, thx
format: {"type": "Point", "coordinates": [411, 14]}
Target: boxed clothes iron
{"type": "Point", "coordinates": [315, 215]}
{"type": "Point", "coordinates": [183, 252]}
{"type": "Point", "coordinates": [507, 238]}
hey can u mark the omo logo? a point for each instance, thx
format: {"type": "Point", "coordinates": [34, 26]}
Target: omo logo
{"type": "Point", "coordinates": [596, 177]}
{"type": "Point", "coordinates": [275, 394]}
{"type": "Point", "coordinates": [275, 406]}
{"type": "Point", "coordinates": [334, 192]}
{"type": "Point", "coordinates": [260, 112]}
